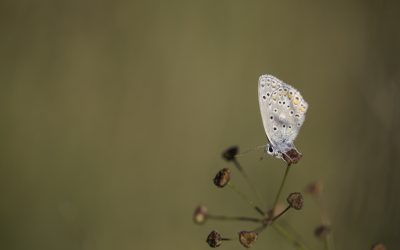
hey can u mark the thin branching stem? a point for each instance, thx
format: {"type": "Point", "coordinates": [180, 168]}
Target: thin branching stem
{"type": "Point", "coordinates": [281, 213]}
{"type": "Point", "coordinates": [333, 247]}
{"type": "Point", "coordinates": [246, 177]}
{"type": "Point", "coordinates": [280, 188]}
{"type": "Point", "coordinates": [282, 231]}
{"type": "Point", "coordinates": [269, 221]}
{"type": "Point", "coordinates": [324, 220]}
{"type": "Point", "coordinates": [226, 239]}
{"type": "Point", "coordinates": [289, 227]}
{"type": "Point", "coordinates": [238, 218]}
{"type": "Point", "coordinates": [326, 243]}
{"type": "Point", "coordinates": [244, 197]}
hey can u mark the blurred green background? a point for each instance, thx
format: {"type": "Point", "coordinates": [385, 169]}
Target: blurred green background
{"type": "Point", "coordinates": [114, 115]}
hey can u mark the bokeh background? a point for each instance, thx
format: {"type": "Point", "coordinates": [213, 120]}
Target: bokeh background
{"type": "Point", "coordinates": [114, 115]}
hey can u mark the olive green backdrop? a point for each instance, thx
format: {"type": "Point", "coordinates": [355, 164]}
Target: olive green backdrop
{"type": "Point", "coordinates": [113, 115]}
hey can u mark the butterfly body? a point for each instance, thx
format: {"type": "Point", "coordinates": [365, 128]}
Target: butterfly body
{"type": "Point", "coordinates": [283, 112]}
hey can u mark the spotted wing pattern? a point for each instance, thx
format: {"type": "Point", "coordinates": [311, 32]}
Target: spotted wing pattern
{"type": "Point", "coordinates": [282, 109]}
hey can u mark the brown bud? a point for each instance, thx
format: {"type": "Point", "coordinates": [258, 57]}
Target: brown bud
{"type": "Point", "coordinates": [292, 156]}
{"type": "Point", "coordinates": [314, 188]}
{"type": "Point", "coordinates": [247, 238]}
{"type": "Point", "coordinates": [214, 239]}
{"type": "Point", "coordinates": [322, 231]}
{"type": "Point", "coordinates": [200, 215]}
{"type": "Point", "coordinates": [230, 153]}
{"type": "Point", "coordinates": [295, 200]}
{"type": "Point", "coordinates": [222, 178]}
{"type": "Point", "coordinates": [378, 246]}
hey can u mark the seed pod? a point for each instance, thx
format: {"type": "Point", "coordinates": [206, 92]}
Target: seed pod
{"type": "Point", "coordinates": [292, 156]}
{"type": "Point", "coordinates": [378, 246]}
{"type": "Point", "coordinates": [247, 238]}
{"type": "Point", "coordinates": [322, 231]}
{"type": "Point", "coordinates": [295, 200]}
{"type": "Point", "coordinates": [214, 239]}
{"type": "Point", "coordinates": [230, 153]}
{"type": "Point", "coordinates": [200, 215]}
{"type": "Point", "coordinates": [222, 178]}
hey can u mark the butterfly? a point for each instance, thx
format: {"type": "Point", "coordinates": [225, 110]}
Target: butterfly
{"type": "Point", "coordinates": [283, 111]}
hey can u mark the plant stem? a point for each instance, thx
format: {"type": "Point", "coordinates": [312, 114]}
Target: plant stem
{"type": "Point", "coordinates": [293, 231]}
{"type": "Point", "coordinates": [289, 237]}
{"type": "Point", "coordinates": [280, 214]}
{"type": "Point", "coordinates": [251, 203]}
{"type": "Point", "coordinates": [226, 239]}
{"type": "Point", "coordinates": [268, 221]}
{"type": "Point", "coordinates": [281, 187]}
{"type": "Point", "coordinates": [326, 243]}
{"type": "Point", "coordinates": [246, 177]}
{"type": "Point", "coordinates": [239, 218]}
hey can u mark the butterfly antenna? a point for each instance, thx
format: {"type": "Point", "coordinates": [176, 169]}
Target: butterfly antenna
{"type": "Point", "coordinates": [251, 150]}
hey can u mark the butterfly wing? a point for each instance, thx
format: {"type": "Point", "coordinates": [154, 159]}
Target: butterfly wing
{"type": "Point", "coordinates": [267, 84]}
{"type": "Point", "coordinates": [282, 110]}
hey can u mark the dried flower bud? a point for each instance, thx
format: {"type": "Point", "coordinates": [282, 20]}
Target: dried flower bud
{"type": "Point", "coordinates": [200, 215]}
{"type": "Point", "coordinates": [292, 156]}
{"type": "Point", "coordinates": [230, 153]}
{"type": "Point", "coordinates": [295, 200]}
{"type": "Point", "coordinates": [322, 231]}
{"type": "Point", "coordinates": [222, 178]}
{"type": "Point", "coordinates": [247, 238]}
{"type": "Point", "coordinates": [378, 246]}
{"type": "Point", "coordinates": [314, 188]}
{"type": "Point", "coordinates": [214, 239]}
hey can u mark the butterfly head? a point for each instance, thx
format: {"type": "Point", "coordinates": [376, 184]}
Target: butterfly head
{"type": "Point", "coordinates": [271, 150]}
{"type": "Point", "coordinates": [290, 153]}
